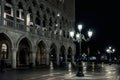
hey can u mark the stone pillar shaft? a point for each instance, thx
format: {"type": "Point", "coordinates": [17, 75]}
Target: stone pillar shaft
{"type": "Point", "coordinates": [33, 54]}
{"type": "Point", "coordinates": [15, 12]}
{"type": "Point", "coordinates": [14, 53]}
{"type": "Point", "coordinates": [2, 11]}
{"type": "Point", "coordinates": [47, 57]}
{"type": "Point", "coordinates": [58, 57]}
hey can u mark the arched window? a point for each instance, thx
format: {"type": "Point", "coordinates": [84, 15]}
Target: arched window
{"type": "Point", "coordinates": [8, 7]}
{"type": "Point", "coordinates": [48, 11]}
{"type": "Point", "coordinates": [34, 3]}
{"type": "Point", "coordinates": [53, 13]}
{"type": "Point", "coordinates": [20, 13]}
{"type": "Point", "coordinates": [50, 22]}
{"type": "Point", "coordinates": [42, 7]}
{"type": "Point", "coordinates": [4, 51]}
{"type": "Point", "coordinates": [37, 20]}
{"type": "Point", "coordinates": [4, 47]}
{"type": "Point", "coordinates": [44, 21]}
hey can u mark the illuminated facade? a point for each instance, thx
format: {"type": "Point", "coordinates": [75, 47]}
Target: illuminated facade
{"type": "Point", "coordinates": [36, 31]}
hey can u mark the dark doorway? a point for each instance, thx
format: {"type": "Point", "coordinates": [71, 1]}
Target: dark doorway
{"type": "Point", "coordinates": [22, 58]}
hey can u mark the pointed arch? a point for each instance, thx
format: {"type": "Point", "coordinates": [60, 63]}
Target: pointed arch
{"type": "Point", "coordinates": [31, 6]}
{"type": "Point", "coordinates": [53, 54]}
{"type": "Point", "coordinates": [43, 41]}
{"type": "Point", "coordinates": [53, 45]}
{"type": "Point", "coordinates": [24, 52]}
{"type": "Point", "coordinates": [62, 55]}
{"type": "Point", "coordinates": [41, 57]}
{"type": "Point", "coordinates": [37, 19]}
{"type": "Point", "coordinates": [44, 20]}
{"type": "Point", "coordinates": [35, 3]}
{"type": "Point", "coordinates": [9, 1]}
{"type": "Point", "coordinates": [7, 37]}
{"type": "Point", "coordinates": [62, 49]}
{"type": "Point", "coordinates": [69, 56]}
{"type": "Point", "coordinates": [48, 10]}
{"type": "Point", "coordinates": [28, 40]}
{"type": "Point", "coordinates": [42, 6]}
{"type": "Point", "coordinates": [5, 46]}
{"type": "Point", "coordinates": [22, 2]}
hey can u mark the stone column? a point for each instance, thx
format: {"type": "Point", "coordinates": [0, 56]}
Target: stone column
{"type": "Point", "coordinates": [0, 8]}
{"type": "Point", "coordinates": [72, 59]}
{"type": "Point", "coordinates": [25, 20]}
{"type": "Point", "coordinates": [58, 59]}
{"type": "Point", "coordinates": [20, 13]}
{"type": "Point", "coordinates": [73, 53]}
{"type": "Point", "coordinates": [33, 54]}
{"type": "Point", "coordinates": [34, 16]}
{"type": "Point", "coordinates": [2, 11]}
{"type": "Point", "coordinates": [47, 57]}
{"type": "Point", "coordinates": [47, 22]}
{"type": "Point", "coordinates": [15, 12]}
{"type": "Point", "coordinates": [12, 11]}
{"type": "Point", "coordinates": [66, 58]}
{"type": "Point", "coordinates": [14, 53]}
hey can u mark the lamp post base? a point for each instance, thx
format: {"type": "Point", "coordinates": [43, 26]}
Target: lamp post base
{"type": "Point", "coordinates": [79, 74]}
{"type": "Point", "coordinates": [80, 70]}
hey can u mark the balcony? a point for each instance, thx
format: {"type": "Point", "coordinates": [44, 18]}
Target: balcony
{"type": "Point", "coordinates": [9, 24]}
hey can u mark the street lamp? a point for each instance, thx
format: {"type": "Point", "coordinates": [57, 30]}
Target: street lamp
{"type": "Point", "coordinates": [110, 50]}
{"type": "Point", "coordinates": [79, 37]}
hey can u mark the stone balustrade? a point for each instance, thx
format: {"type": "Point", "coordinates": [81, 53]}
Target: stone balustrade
{"type": "Point", "coordinates": [20, 26]}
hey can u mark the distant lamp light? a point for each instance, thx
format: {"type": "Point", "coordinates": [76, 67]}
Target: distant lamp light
{"type": "Point", "coordinates": [77, 36]}
{"type": "Point", "coordinates": [110, 47]}
{"type": "Point", "coordinates": [108, 50]}
{"type": "Point", "coordinates": [56, 24]}
{"type": "Point", "coordinates": [79, 27]}
{"type": "Point", "coordinates": [113, 50]}
{"type": "Point", "coordinates": [51, 55]}
{"type": "Point", "coordinates": [72, 34]}
{"type": "Point", "coordinates": [58, 14]}
{"type": "Point", "coordinates": [90, 33]}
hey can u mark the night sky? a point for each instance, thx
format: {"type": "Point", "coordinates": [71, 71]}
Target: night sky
{"type": "Point", "coordinates": [103, 17]}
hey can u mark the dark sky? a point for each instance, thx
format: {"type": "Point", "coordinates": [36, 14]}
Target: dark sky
{"type": "Point", "coordinates": [103, 17]}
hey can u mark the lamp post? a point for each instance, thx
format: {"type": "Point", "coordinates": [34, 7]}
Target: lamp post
{"type": "Point", "coordinates": [79, 37]}
{"type": "Point", "coordinates": [110, 50]}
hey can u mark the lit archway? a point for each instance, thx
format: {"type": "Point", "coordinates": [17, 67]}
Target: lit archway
{"type": "Point", "coordinates": [5, 47]}
{"type": "Point", "coordinates": [41, 54]}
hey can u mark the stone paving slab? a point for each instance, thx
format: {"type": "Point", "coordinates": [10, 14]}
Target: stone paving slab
{"type": "Point", "coordinates": [109, 73]}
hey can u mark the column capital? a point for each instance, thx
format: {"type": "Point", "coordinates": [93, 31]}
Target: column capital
{"type": "Point", "coordinates": [33, 51]}
{"type": "Point", "coordinates": [47, 49]}
{"type": "Point", "coordinates": [14, 49]}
